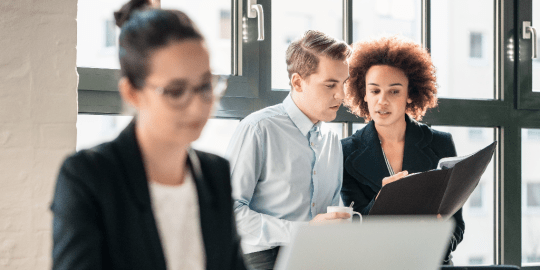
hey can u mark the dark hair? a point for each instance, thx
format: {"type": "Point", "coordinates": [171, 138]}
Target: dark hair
{"type": "Point", "coordinates": [144, 30]}
{"type": "Point", "coordinates": [400, 53]}
{"type": "Point", "coordinates": [303, 54]}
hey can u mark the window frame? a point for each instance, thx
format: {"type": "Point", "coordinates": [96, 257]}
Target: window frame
{"type": "Point", "coordinates": [526, 98]}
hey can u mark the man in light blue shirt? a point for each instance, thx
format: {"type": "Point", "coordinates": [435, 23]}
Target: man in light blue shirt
{"type": "Point", "coordinates": [286, 167]}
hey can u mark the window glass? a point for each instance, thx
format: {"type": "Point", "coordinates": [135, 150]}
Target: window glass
{"type": "Point", "coordinates": [335, 127]}
{"type": "Point", "coordinates": [536, 62]}
{"type": "Point", "coordinates": [476, 47]}
{"type": "Point", "coordinates": [213, 17]}
{"type": "Point", "coordinates": [462, 48]}
{"type": "Point", "coordinates": [530, 223]}
{"type": "Point", "coordinates": [476, 260]}
{"type": "Point", "coordinates": [386, 17]}
{"type": "Point", "coordinates": [477, 245]}
{"type": "Point", "coordinates": [216, 135]}
{"type": "Point", "coordinates": [290, 20]}
{"type": "Point", "coordinates": [476, 201]}
{"type": "Point", "coordinates": [357, 126]}
{"type": "Point", "coordinates": [97, 33]}
{"type": "Point", "coordinates": [96, 129]}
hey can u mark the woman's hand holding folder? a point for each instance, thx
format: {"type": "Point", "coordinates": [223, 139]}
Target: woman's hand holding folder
{"type": "Point", "coordinates": [392, 178]}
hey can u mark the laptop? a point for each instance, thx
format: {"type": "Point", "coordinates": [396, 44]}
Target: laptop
{"type": "Point", "coordinates": [378, 243]}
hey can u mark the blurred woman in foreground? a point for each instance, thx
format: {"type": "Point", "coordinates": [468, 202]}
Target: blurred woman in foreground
{"type": "Point", "coordinates": [146, 200]}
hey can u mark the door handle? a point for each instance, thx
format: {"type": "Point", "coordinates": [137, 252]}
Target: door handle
{"type": "Point", "coordinates": [256, 11]}
{"type": "Point", "coordinates": [529, 32]}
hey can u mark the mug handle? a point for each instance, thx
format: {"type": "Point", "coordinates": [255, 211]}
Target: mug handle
{"type": "Point", "coordinates": [356, 213]}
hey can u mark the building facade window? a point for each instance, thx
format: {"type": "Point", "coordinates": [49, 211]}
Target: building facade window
{"type": "Point", "coordinates": [476, 260]}
{"type": "Point", "coordinates": [110, 34]}
{"type": "Point", "coordinates": [225, 24]}
{"type": "Point", "coordinates": [476, 198]}
{"type": "Point", "coordinates": [533, 135]}
{"type": "Point", "coordinates": [476, 134]}
{"type": "Point", "coordinates": [476, 45]}
{"type": "Point", "coordinates": [533, 194]}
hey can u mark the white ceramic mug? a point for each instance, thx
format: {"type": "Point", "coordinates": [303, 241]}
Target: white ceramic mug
{"type": "Point", "coordinates": [349, 210]}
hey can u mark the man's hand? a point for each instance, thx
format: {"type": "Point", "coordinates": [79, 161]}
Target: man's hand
{"type": "Point", "coordinates": [393, 178]}
{"type": "Point", "coordinates": [334, 217]}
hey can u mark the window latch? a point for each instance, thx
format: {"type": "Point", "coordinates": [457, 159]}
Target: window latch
{"type": "Point", "coordinates": [256, 11]}
{"type": "Point", "coordinates": [529, 32]}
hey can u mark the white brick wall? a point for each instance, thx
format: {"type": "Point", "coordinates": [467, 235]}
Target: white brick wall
{"type": "Point", "coordinates": [38, 112]}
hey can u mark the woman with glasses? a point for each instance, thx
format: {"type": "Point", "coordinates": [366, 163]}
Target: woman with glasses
{"type": "Point", "coordinates": [146, 200]}
{"type": "Point", "coordinates": [392, 85]}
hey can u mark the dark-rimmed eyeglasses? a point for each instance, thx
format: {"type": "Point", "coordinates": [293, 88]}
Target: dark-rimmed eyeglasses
{"type": "Point", "coordinates": [180, 94]}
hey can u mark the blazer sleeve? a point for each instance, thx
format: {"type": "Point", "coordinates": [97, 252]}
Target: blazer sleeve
{"type": "Point", "coordinates": [237, 259]}
{"type": "Point", "coordinates": [77, 239]}
{"type": "Point", "coordinates": [352, 190]}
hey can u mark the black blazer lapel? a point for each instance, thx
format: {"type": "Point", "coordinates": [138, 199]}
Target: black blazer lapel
{"type": "Point", "coordinates": [417, 156]}
{"type": "Point", "coordinates": [367, 160]}
{"type": "Point", "coordinates": [137, 183]}
{"type": "Point", "coordinates": [208, 211]}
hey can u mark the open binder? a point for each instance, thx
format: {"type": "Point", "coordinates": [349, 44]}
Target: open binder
{"type": "Point", "coordinates": [440, 191]}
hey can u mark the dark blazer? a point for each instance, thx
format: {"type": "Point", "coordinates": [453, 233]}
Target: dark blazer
{"type": "Point", "coordinates": [103, 217]}
{"type": "Point", "coordinates": [364, 165]}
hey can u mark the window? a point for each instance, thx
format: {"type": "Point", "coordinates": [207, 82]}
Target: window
{"type": "Point", "coordinates": [374, 18]}
{"type": "Point", "coordinates": [216, 135]}
{"type": "Point", "coordinates": [533, 194]}
{"type": "Point", "coordinates": [93, 130]}
{"type": "Point", "coordinates": [533, 135]}
{"type": "Point", "coordinates": [464, 58]}
{"type": "Point", "coordinates": [533, 258]}
{"type": "Point", "coordinates": [536, 65]}
{"type": "Point", "coordinates": [110, 33]}
{"type": "Point", "coordinates": [529, 87]}
{"type": "Point", "coordinates": [335, 127]}
{"type": "Point", "coordinates": [97, 34]}
{"type": "Point", "coordinates": [476, 46]}
{"type": "Point", "coordinates": [530, 217]}
{"type": "Point", "coordinates": [225, 24]}
{"type": "Point", "coordinates": [290, 20]}
{"type": "Point", "coordinates": [476, 198]}
{"type": "Point", "coordinates": [476, 134]}
{"type": "Point", "coordinates": [211, 18]}
{"type": "Point", "coordinates": [476, 260]}
{"type": "Point", "coordinates": [478, 211]}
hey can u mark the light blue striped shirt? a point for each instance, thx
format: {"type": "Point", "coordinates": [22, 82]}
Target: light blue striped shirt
{"type": "Point", "coordinates": [284, 171]}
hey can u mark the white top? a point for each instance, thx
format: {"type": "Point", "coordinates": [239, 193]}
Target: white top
{"type": "Point", "coordinates": [176, 210]}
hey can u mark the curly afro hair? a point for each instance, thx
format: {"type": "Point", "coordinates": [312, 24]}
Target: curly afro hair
{"type": "Point", "coordinates": [400, 53]}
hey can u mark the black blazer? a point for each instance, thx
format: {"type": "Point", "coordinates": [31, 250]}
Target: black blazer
{"type": "Point", "coordinates": [103, 217]}
{"type": "Point", "coordinates": [364, 165]}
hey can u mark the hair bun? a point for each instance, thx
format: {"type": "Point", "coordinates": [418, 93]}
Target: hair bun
{"type": "Point", "coordinates": [121, 16]}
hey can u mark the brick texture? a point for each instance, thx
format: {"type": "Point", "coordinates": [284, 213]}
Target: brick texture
{"type": "Point", "coordinates": [38, 113]}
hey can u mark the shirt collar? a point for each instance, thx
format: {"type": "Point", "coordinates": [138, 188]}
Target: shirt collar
{"type": "Point", "coordinates": [301, 121]}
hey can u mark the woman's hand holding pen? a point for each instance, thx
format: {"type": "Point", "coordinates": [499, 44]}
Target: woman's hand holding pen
{"type": "Point", "coordinates": [393, 178]}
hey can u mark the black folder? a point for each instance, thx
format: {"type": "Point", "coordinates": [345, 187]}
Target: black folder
{"type": "Point", "coordinates": [440, 191]}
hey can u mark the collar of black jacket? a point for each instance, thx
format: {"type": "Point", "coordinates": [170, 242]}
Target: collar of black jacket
{"type": "Point", "coordinates": [131, 156]}
{"type": "Point", "coordinates": [367, 161]}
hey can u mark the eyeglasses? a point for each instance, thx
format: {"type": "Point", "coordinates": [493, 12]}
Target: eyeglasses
{"type": "Point", "coordinates": [179, 94]}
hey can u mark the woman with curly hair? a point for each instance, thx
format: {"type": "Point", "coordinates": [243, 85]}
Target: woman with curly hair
{"type": "Point", "coordinates": [392, 83]}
